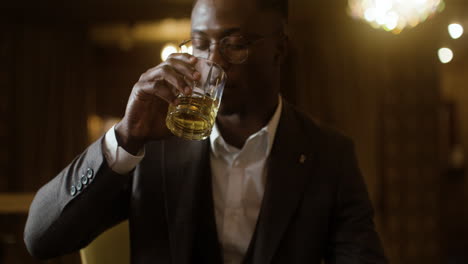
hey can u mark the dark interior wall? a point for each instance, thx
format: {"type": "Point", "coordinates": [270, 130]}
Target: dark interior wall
{"type": "Point", "coordinates": [455, 189]}
{"type": "Point", "coordinates": [53, 77]}
{"type": "Point", "coordinates": [116, 71]}
{"type": "Point", "coordinates": [45, 105]}
{"type": "Point", "coordinates": [383, 90]}
{"type": "Point", "coordinates": [47, 95]}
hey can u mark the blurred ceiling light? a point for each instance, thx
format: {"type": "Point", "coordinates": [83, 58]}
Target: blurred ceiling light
{"type": "Point", "coordinates": [186, 49]}
{"type": "Point", "coordinates": [394, 15]}
{"type": "Point", "coordinates": [445, 55]}
{"type": "Point", "coordinates": [168, 50]}
{"type": "Point", "coordinates": [455, 30]}
{"type": "Point", "coordinates": [165, 30]}
{"type": "Point", "coordinates": [171, 48]}
{"type": "Point", "coordinates": [141, 32]}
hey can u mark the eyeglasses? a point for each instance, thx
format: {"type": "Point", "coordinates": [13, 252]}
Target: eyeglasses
{"type": "Point", "coordinates": [234, 49]}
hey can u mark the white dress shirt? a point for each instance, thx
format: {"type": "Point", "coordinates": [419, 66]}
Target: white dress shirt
{"type": "Point", "coordinates": [238, 177]}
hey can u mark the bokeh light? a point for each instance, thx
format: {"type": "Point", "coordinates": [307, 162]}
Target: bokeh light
{"type": "Point", "coordinates": [186, 49]}
{"type": "Point", "coordinates": [394, 15]}
{"type": "Point", "coordinates": [455, 30]}
{"type": "Point", "coordinates": [171, 48]}
{"type": "Point", "coordinates": [445, 55]}
{"type": "Point", "coordinates": [168, 50]}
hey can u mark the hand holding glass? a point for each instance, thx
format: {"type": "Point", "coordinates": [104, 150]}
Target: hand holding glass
{"type": "Point", "coordinates": [194, 115]}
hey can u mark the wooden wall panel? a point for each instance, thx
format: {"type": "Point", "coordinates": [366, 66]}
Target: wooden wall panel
{"type": "Point", "coordinates": [43, 114]}
{"type": "Point", "coordinates": [383, 91]}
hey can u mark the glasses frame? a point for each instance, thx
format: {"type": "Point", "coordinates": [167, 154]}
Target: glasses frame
{"type": "Point", "coordinates": [248, 44]}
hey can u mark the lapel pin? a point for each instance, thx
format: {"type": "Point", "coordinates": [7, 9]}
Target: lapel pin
{"type": "Point", "coordinates": [302, 159]}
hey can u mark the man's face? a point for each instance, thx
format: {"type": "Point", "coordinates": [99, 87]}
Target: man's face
{"type": "Point", "coordinates": [253, 81]}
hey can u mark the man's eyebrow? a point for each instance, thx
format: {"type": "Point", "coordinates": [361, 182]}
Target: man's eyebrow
{"type": "Point", "coordinates": [230, 31]}
{"type": "Point", "coordinates": [198, 32]}
{"type": "Point", "coordinates": [225, 32]}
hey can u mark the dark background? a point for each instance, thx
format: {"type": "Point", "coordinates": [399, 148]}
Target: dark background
{"type": "Point", "coordinates": [62, 85]}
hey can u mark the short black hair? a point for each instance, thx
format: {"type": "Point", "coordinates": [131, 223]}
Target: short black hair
{"type": "Point", "coordinates": [279, 6]}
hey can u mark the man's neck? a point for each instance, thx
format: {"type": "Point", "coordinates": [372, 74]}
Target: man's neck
{"type": "Point", "coordinates": [238, 127]}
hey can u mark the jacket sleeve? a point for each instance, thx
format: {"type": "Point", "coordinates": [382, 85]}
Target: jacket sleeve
{"type": "Point", "coordinates": [81, 202]}
{"type": "Point", "coordinates": [354, 239]}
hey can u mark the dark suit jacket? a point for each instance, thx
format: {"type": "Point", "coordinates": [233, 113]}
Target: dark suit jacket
{"type": "Point", "coordinates": [314, 208]}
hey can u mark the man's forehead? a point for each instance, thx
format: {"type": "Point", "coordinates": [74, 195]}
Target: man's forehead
{"type": "Point", "coordinates": [218, 15]}
{"type": "Point", "coordinates": [228, 5]}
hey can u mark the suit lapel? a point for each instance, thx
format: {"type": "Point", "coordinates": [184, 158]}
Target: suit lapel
{"type": "Point", "coordinates": [185, 173]}
{"type": "Point", "coordinates": [189, 200]}
{"type": "Point", "coordinates": [285, 184]}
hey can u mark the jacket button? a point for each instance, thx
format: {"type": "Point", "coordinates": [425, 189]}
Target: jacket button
{"type": "Point", "coordinates": [89, 173]}
{"type": "Point", "coordinates": [79, 186]}
{"type": "Point", "coordinates": [84, 179]}
{"type": "Point", "coordinates": [73, 190]}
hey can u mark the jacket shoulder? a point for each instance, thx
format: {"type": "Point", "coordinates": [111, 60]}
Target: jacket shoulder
{"type": "Point", "coordinates": [327, 137]}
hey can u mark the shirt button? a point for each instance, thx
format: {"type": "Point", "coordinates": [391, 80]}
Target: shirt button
{"type": "Point", "coordinates": [73, 190]}
{"type": "Point", "coordinates": [89, 173]}
{"type": "Point", "coordinates": [84, 179]}
{"type": "Point", "coordinates": [79, 186]}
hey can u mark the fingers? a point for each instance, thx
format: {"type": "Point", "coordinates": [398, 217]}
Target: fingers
{"type": "Point", "coordinates": [183, 57]}
{"type": "Point", "coordinates": [164, 91]}
{"type": "Point", "coordinates": [174, 76]}
{"type": "Point", "coordinates": [186, 69]}
{"type": "Point", "coordinates": [183, 63]}
{"type": "Point", "coordinates": [166, 84]}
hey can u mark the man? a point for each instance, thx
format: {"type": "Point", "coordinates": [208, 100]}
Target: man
{"type": "Point", "coordinates": [269, 186]}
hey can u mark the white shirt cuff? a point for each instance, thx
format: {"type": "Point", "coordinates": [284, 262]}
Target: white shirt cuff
{"type": "Point", "coordinates": [118, 158]}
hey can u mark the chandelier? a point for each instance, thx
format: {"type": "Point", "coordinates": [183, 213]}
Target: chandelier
{"type": "Point", "coordinates": [394, 15]}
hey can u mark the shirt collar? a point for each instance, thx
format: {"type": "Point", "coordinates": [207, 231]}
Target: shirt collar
{"type": "Point", "coordinates": [218, 144]}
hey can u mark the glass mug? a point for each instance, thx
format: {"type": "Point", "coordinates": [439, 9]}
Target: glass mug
{"type": "Point", "coordinates": [194, 115]}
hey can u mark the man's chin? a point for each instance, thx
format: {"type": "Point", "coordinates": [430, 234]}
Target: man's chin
{"type": "Point", "coordinates": [226, 109]}
{"type": "Point", "coordinates": [232, 102]}
{"type": "Point", "coordinates": [229, 104]}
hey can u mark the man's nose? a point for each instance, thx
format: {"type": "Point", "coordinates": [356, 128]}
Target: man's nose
{"type": "Point", "coordinates": [217, 56]}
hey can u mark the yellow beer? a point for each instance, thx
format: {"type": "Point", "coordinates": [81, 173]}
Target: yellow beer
{"type": "Point", "coordinates": [193, 118]}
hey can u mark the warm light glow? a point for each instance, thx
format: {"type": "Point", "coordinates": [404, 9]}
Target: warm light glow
{"type": "Point", "coordinates": [171, 48]}
{"type": "Point", "coordinates": [391, 21]}
{"type": "Point", "coordinates": [445, 55]}
{"type": "Point", "coordinates": [394, 15]}
{"type": "Point", "coordinates": [168, 50]}
{"type": "Point", "coordinates": [455, 30]}
{"type": "Point", "coordinates": [167, 30]}
{"type": "Point", "coordinates": [98, 125]}
{"type": "Point", "coordinates": [369, 15]}
{"type": "Point", "coordinates": [186, 49]}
